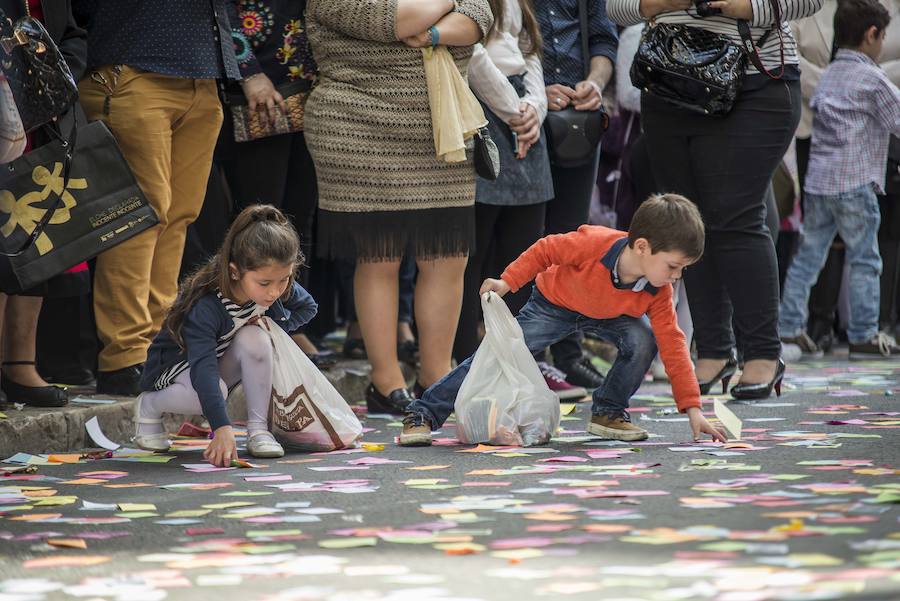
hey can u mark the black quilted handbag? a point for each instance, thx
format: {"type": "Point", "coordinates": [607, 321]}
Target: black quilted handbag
{"type": "Point", "coordinates": [40, 79]}
{"type": "Point", "coordinates": [695, 69]}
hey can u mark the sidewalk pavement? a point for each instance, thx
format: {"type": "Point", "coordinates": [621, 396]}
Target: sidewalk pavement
{"type": "Point", "coordinates": [34, 430]}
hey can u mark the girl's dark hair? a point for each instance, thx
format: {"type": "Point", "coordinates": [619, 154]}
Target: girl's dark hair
{"type": "Point", "coordinates": [529, 23]}
{"type": "Point", "coordinates": [853, 18]}
{"type": "Point", "coordinates": [260, 235]}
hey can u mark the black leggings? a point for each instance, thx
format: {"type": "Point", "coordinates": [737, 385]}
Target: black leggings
{"type": "Point", "coordinates": [724, 164]}
{"type": "Point", "coordinates": [503, 233]}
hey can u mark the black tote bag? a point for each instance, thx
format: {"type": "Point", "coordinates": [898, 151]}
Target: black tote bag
{"type": "Point", "coordinates": [56, 213]}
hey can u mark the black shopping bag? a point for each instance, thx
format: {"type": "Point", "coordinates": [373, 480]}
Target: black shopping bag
{"type": "Point", "coordinates": [56, 212]}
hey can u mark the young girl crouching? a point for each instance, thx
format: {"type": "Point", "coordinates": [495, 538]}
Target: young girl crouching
{"type": "Point", "coordinates": [210, 341]}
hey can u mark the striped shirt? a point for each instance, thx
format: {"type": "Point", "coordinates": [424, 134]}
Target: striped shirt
{"type": "Point", "coordinates": [240, 315]}
{"type": "Point", "coordinates": [627, 12]}
{"type": "Point", "coordinates": [856, 108]}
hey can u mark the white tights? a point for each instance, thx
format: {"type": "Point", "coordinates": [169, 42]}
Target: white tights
{"type": "Point", "coordinates": [247, 360]}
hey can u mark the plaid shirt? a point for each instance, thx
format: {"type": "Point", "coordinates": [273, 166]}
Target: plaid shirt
{"type": "Point", "coordinates": [856, 109]}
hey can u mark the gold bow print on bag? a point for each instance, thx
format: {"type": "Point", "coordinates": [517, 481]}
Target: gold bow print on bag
{"type": "Point", "coordinates": [24, 213]}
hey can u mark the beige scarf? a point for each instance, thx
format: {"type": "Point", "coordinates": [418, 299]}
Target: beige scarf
{"type": "Point", "coordinates": [456, 115]}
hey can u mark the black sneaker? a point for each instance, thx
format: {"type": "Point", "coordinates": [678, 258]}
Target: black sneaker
{"type": "Point", "coordinates": [394, 403]}
{"type": "Point", "coordinates": [121, 382]}
{"type": "Point", "coordinates": [582, 373]}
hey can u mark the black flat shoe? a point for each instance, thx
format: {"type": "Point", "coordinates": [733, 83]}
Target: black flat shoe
{"type": "Point", "coordinates": [73, 377]}
{"type": "Point", "coordinates": [121, 382]}
{"type": "Point", "coordinates": [324, 359]}
{"type": "Point", "coordinates": [752, 392]}
{"type": "Point", "coordinates": [394, 403]}
{"type": "Point", "coordinates": [418, 390]}
{"type": "Point", "coordinates": [725, 374]}
{"type": "Point", "coordinates": [33, 396]}
{"type": "Point", "coordinates": [354, 348]}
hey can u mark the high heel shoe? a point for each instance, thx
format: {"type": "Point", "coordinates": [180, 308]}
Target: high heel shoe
{"type": "Point", "coordinates": [750, 392]}
{"type": "Point", "coordinates": [725, 374]}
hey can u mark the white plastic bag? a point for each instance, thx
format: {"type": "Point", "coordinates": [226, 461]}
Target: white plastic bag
{"type": "Point", "coordinates": [504, 399]}
{"type": "Point", "coordinates": [306, 413]}
{"type": "Point", "coordinates": [12, 133]}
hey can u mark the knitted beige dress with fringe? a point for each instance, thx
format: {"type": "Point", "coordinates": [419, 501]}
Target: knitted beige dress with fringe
{"type": "Point", "coordinates": [368, 128]}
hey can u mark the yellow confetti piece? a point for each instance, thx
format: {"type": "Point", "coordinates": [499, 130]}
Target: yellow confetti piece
{"type": "Point", "coordinates": [348, 543]}
{"type": "Point", "coordinates": [229, 505]}
{"type": "Point", "coordinates": [136, 507]}
{"type": "Point", "coordinates": [372, 446]}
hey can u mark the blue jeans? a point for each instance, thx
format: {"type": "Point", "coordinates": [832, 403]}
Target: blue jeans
{"type": "Point", "coordinates": [544, 323]}
{"type": "Point", "coordinates": [855, 215]}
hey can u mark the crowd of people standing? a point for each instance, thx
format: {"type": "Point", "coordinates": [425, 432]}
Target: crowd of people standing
{"type": "Point", "coordinates": [396, 241]}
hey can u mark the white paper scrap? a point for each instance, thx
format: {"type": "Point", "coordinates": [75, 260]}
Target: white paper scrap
{"type": "Point", "coordinates": [93, 429]}
{"type": "Point", "coordinates": [728, 419]}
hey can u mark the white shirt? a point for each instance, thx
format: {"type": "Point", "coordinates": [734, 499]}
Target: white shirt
{"type": "Point", "coordinates": [502, 55]}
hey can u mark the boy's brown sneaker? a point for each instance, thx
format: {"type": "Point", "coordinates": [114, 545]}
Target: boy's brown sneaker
{"type": "Point", "coordinates": [416, 431]}
{"type": "Point", "coordinates": [881, 345]}
{"type": "Point", "coordinates": [616, 428]}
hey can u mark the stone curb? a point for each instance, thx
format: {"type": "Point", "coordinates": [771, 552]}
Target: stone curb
{"type": "Point", "coordinates": [61, 430]}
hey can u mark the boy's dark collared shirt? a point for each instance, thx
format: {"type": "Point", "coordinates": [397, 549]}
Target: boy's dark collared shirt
{"type": "Point", "coordinates": [181, 38]}
{"type": "Point", "coordinates": [611, 261]}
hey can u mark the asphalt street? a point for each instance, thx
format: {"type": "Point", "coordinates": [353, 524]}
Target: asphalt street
{"type": "Point", "coordinates": [807, 512]}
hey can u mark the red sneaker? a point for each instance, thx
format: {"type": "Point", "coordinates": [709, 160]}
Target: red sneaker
{"type": "Point", "coordinates": [556, 381]}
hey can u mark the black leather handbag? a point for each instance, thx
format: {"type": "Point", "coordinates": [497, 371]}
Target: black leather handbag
{"type": "Point", "coordinates": [38, 75]}
{"type": "Point", "coordinates": [486, 156]}
{"type": "Point", "coordinates": [573, 136]}
{"type": "Point", "coordinates": [695, 69]}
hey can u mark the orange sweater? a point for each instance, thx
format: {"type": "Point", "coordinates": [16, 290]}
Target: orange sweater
{"type": "Point", "coordinates": [571, 273]}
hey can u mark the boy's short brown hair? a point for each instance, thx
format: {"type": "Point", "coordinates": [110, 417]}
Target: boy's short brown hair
{"type": "Point", "coordinates": [670, 223]}
{"type": "Point", "coordinates": [853, 18]}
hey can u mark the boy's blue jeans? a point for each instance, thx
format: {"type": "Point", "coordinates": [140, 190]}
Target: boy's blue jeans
{"type": "Point", "coordinates": [856, 216]}
{"type": "Point", "coordinates": [544, 323]}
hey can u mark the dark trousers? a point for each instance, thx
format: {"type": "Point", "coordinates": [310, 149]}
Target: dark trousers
{"type": "Point", "coordinates": [502, 234]}
{"type": "Point", "coordinates": [724, 164]}
{"type": "Point", "coordinates": [566, 212]}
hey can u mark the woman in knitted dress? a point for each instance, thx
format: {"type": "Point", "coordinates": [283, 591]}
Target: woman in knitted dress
{"type": "Point", "coordinates": [381, 186]}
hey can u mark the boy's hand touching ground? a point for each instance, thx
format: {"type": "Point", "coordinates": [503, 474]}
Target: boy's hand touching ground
{"type": "Point", "coordinates": [700, 425]}
{"type": "Point", "coordinates": [492, 285]}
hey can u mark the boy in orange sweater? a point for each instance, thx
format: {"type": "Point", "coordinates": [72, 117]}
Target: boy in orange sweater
{"type": "Point", "coordinates": [602, 281]}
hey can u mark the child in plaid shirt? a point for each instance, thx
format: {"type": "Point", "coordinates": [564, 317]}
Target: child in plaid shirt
{"type": "Point", "coordinates": [856, 108]}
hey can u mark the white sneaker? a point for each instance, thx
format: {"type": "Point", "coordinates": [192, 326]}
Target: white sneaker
{"type": "Point", "coordinates": [158, 442]}
{"type": "Point", "coordinates": [263, 445]}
